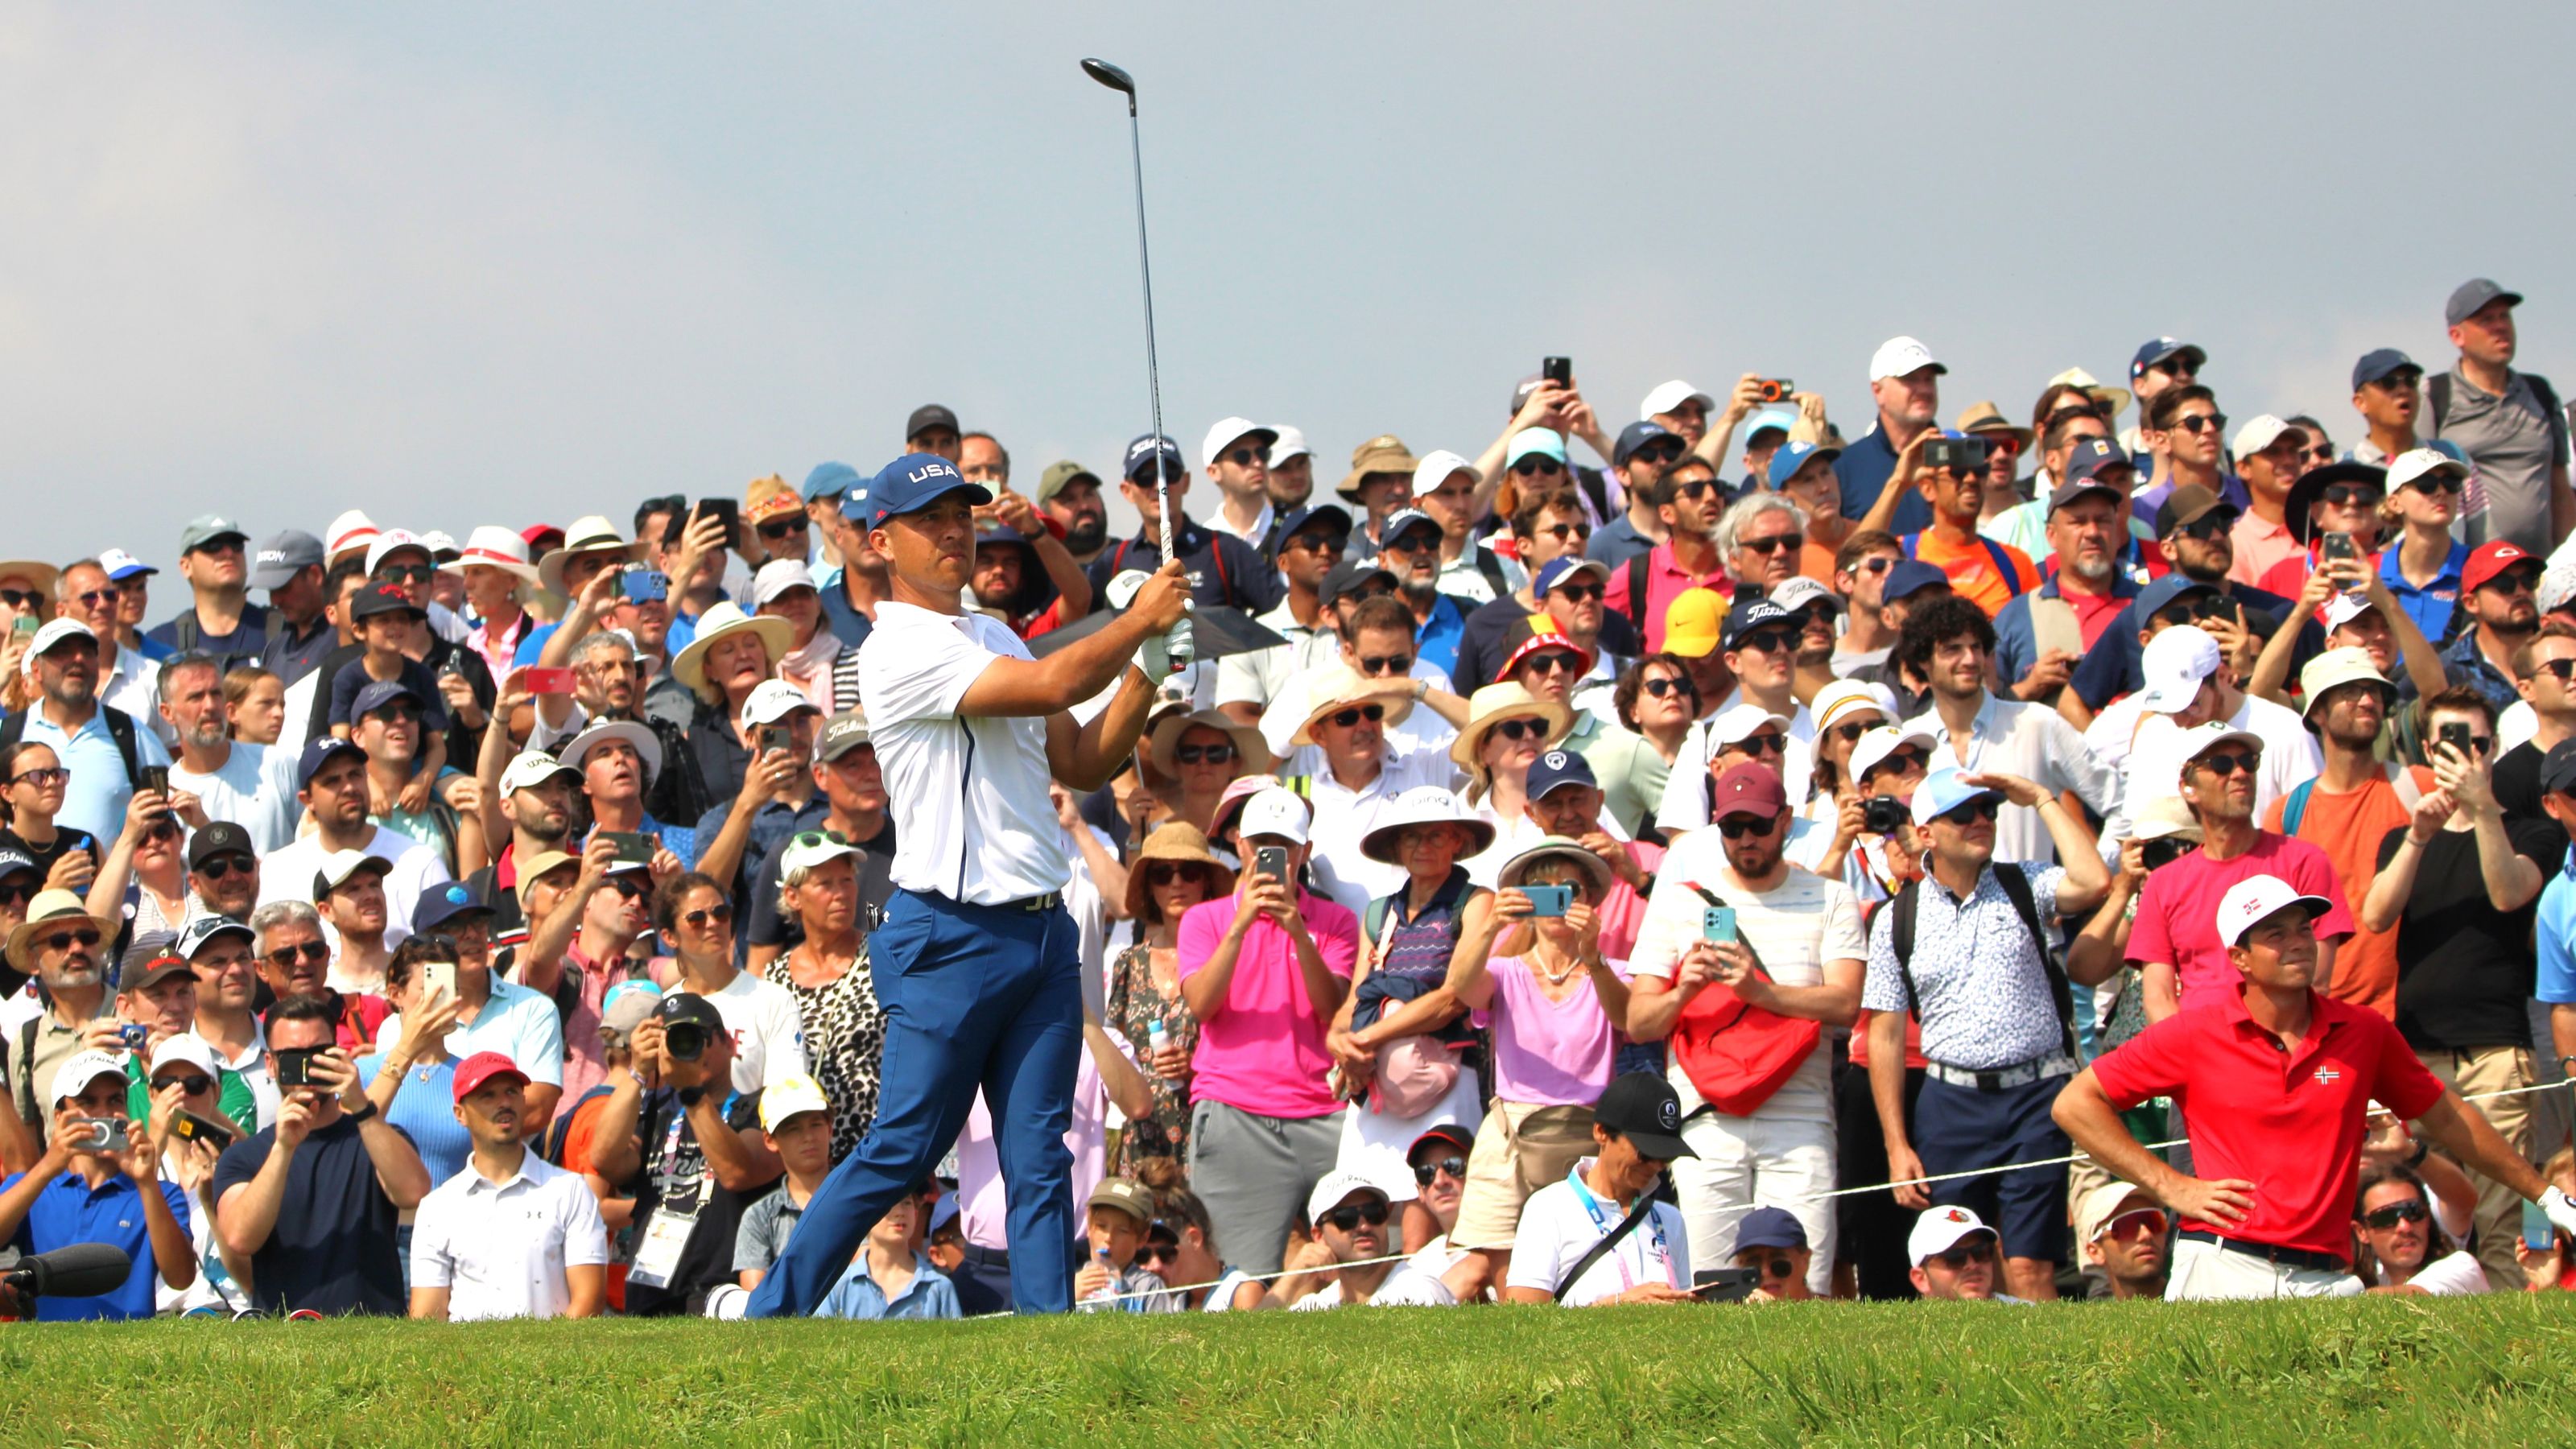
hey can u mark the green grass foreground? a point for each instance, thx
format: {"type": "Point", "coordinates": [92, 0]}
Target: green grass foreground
{"type": "Point", "coordinates": [2496, 1370]}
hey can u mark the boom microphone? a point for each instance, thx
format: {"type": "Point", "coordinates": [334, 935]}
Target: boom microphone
{"type": "Point", "coordinates": [81, 1270]}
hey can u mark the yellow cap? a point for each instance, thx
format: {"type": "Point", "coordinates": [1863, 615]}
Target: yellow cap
{"type": "Point", "coordinates": [1693, 621]}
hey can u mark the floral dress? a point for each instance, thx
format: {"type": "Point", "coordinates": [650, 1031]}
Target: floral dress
{"type": "Point", "coordinates": [844, 1043]}
{"type": "Point", "coordinates": [1134, 1003]}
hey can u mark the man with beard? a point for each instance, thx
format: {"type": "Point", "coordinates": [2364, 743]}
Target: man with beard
{"type": "Point", "coordinates": [587, 912]}
{"type": "Point", "coordinates": [2041, 635]}
{"type": "Point", "coordinates": [535, 793]}
{"type": "Point", "coordinates": [251, 785]}
{"type": "Point", "coordinates": [1350, 720]}
{"type": "Point", "coordinates": [332, 780]}
{"type": "Point", "coordinates": [2121, 1230]}
{"type": "Point", "coordinates": [1411, 551]}
{"type": "Point", "coordinates": [1988, 573]}
{"type": "Point", "coordinates": [2496, 592]}
{"type": "Point", "coordinates": [101, 746]}
{"type": "Point", "coordinates": [1686, 559]}
{"type": "Point", "coordinates": [350, 895]}
{"type": "Point", "coordinates": [1307, 544]}
{"type": "Point", "coordinates": [2349, 808]}
{"type": "Point", "coordinates": [511, 1236]}
{"type": "Point", "coordinates": [125, 676]}
{"type": "Point", "coordinates": [1905, 382]}
{"type": "Point", "coordinates": [1069, 495]}
{"type": "Point", "coordinates": [1224, 570]}
{"type": "Point", "coordinates": [388, 727]}
{"type": "Point", "coordinates": [1761, 648]}
{"type": "Point", "coordinates": [223, 869]}
{"type": "Point", "coordinates": [1949, 643]}
{"type": "Point", "coordinates": [2193, 529]}
{"type": "Point", "coordinates": [65, 948]}
{"type": "Point", "coordinates": [608, 685]}
{"type": "Point", "coordinates": [1292, 470]}
{"type": "Point", "coordinates": [1644, 453]}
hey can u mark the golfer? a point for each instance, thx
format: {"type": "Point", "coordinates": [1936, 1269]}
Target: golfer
{"type": "Point", "coordinates": [976, 963]}
{"type": "Point", "coordinates": [2274, 1079]}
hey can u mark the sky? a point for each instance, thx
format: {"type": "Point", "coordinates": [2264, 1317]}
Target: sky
{"type": "Point", "coordinates": [484, 263]}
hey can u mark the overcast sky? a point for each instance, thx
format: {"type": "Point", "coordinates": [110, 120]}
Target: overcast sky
{"type": "Point", "coordinates": [468, 263]}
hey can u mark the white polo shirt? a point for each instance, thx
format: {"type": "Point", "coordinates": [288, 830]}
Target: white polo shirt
{"type": "Point", "coordinates": [971, 792]}
{"type": "Point", "coordinates": [286, 874]}
{"type": "Point", "coordinates": [1561, 1222]}
{"type": "Point", "coordinates": [1685, 802]}
{"type": "Point", "coordinates": [500, 1249]}
{"type": "Point", "coordinates": [1344, 817]}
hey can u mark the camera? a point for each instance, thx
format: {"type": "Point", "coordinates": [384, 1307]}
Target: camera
{"type": "Point", "coordinates": [1881, 814]}
{"type": "Point", "coordinates": [2157, 854]}
{"type": "Point", "coordinates": [94, 1134]}
{"type": "Point", "coordinates": [132, 1036]}
{"type": "Point", "coordinates": [294, 1065]}
{"type": "Point", "coordinates": [1959, 455]}
{"type": "Point", "coordinates": [1773, 389]}
{"type": "Point", "coordinates": [686, 1041]}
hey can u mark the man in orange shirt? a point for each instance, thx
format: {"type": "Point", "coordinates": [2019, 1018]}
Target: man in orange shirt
{"type": "Point", "coordinates": [1985, 572]}
{"type": "Point", "coordinates": [2347, 810]}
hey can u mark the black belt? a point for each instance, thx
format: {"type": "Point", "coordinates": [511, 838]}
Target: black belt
{"type": "Point", "coordinates": [1047, 902]}
{"type": "Point", "coordinates": [2285, 1257]}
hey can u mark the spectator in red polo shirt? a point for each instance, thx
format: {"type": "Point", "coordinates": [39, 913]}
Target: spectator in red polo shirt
{"type": "Point", "coordinates": [2274, 1081]}
{"type": "Point", "coordinates": [1687, 559]}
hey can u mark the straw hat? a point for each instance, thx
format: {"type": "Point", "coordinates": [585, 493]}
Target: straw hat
{"type": "Point", "coordinates": [49, 911]}
{"type": "Point", "coordinates": [1985, 417]}
{"type": "Point", "coordinates": [1425, 805]}
{"type": "Point", "coordinates": [1338, 686]}
{"type": "Point", "coordinates": [724, 620]}
{"type": "Point", "coordinates": [590, 534]}
{"type": "Point", "coordinates": [1492, 705]}
{"type": "Point", "coordinates": [39, 576]}
{"type": "Point", "coordinates": [1178, 840]}
{"type": "Point", "coordinates": [1249, 751]}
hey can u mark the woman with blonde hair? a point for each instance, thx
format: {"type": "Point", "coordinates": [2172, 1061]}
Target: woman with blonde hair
{"type": "Point", "coordinates": [1506, 728]}
{"type": "Point", "coordinates": [1199, 755]}
{"type": "Point", "coordinates": [1173, 871]}
{"type": "Point", "coordinates": [730, 655]}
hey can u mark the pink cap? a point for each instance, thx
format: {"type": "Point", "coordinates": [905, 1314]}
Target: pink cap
{"type": "Point", "coordinates": [482, 1067]}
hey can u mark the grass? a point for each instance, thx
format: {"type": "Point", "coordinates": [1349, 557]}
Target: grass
{"type": "Point", "coordinates": [2490, 1371]}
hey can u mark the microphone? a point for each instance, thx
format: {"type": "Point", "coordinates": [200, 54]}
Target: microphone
{"type": "Point", "coordinates": [81, 1270]}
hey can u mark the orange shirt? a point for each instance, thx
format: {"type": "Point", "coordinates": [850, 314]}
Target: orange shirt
{"type": "Point", "coordinates": [1971, 567]}
{"type": "Point", "coordinates": [2348, 828]}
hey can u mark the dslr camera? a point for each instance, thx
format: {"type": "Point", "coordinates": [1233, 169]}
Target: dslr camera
{"type": "Point", "coordinates": [686, 1041]}
{"type": "Point", "coordinates": [1881, 814]}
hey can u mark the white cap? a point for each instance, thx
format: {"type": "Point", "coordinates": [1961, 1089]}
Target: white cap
{"type": "Point", "coordinates": [1898, 356]}
{"type": "Point", "coordinates": [1873, 747]}
{"type": "Point", "coordinates": [439, 541]}
{"type": "Point", "coordinates": [534, 767]}
{"type": "Point", "coordinates": [2342, 608]}
{"type": "Point", "coordinates": [352, 529]}
{"type": "Point", "coordinates": [1670, 395]}
{"type": "Point", "coordinates": [576, 751]}
{"type": "Point", "coordinates": [1797, 592]}
{"type": "Point", "coordinates": [2417, 463]}
{"type": "Point", "coordinates": [778, 576]}
{"type": "Point", "coordinates": [1739, 724]}
{"type": "Point", "coordinates": [119, 565]}
{"type": "Point", "coordinates": [1278, 813]}
{"type": "Point", "coordinates": [388, 540]}
{"type": "Point", "coordinates": [1939, 1230]}
{"type": "Point", "coordinates": [1338, 1184]}
{"type": "Point", "coordinates": [491, 545]}
{"type": "Point", "coordinates": [1228, 432]}
{"type": "Point", "coordinates": [1846, 695]}
{"type": "Point", "coordinates": [82, 1068]}
{"type": "Point", "coordinates": [2256, 434]}
{"type": "Point", "coordinates": [1291, 444]}
{"type": "Point", "coordinates": [1435, 468]}
{"type": "Point", "coordinates": [339, 865]}
{"type": "Point", "coordinates": [772, 700]}
{"type": "Point", "coordinates": [790, 1097]}
{"type": "Point", "coordinates": [2173, 664]}
{"type": "Point", "coordinates": [186, 1047]}
{"type": "Point", "coordinates": [2200, 739]}
{"type": "Point", "coordinates": [55, 632]}
{"type": "Point", "coordinates": [2258, 898]}
{"type": "Point", "coordinates": [798, 854]}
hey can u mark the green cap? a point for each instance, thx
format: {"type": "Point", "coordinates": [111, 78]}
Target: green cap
{"type": "Point", "coordinates": [1057, 475]}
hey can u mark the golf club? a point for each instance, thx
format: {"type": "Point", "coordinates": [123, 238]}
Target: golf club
{"type": "Point", "coordinates": [1177, 644]}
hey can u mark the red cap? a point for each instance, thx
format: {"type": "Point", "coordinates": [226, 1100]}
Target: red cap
{"type": "Point", "coordinates": [536, 531]}
{"type": "Point", "coordinates": [2490, 559]}
{"type": "Point", "coordinates": [482, 1067]}
{"type": "Point", "coordinates": [1748, 789]}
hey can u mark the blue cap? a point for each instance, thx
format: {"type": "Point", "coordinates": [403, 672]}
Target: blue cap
{"type": "Point", "coordinates": [1555, 570]}
{"type": "Point", "coordinates": [2164, 591]}
{"type": "Point", "coordinates": [2158, 350]}
{"type": "Point", "coordinates": [832, 480]}
{"type": "Point", "coordinates": [1331, 515]}
{"type": "Point", "coordinates": [380, 693]}
{"type": "Point", "coordinates": [1910, 576]}
{"type": "Point", "coordinates": [2378, 363]}
{"type": "Point", "coordinates": [1141, 455]}
{"type": "Point", "coordinates": [1769, 1227]}
{"type": "Point", "coordinates": [2558, 768]}
{"type": "Point", "coordinates": [440, 904]}
{"type": "Point", "coordinates": [1943, 791]}
{"type": "Point", "coordinates": [317, 753]}
{"type": "Point", "coordinates": [1788, 458]}
{"type": "Point", "coordinates": [2091, 458]}
{"type": "Point", "coordinates": [1635, 436]}
{"type": "Point", "coordinates": [915, 481]}
{"type": "Point", "coordinates": [1554, 769]}
{"type": "Point", "coordinates": [1767, 419]}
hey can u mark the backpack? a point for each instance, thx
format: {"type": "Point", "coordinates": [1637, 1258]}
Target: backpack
{"type": "Point", "coordinates": [1994, 554]}
{"type": "Point", "coordinates": [2015, 882]}
{"type": "Point", "coordinates": [2294, 806]}
{"type": "Point", "coordinates": [2437, 400]}
{"type": "Point", "coordinates": [1491, 566]}
{"type": "Point", "coordinates": [120, 728]}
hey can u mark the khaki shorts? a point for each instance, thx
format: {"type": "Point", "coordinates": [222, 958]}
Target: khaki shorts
{"type": "Point", "coordinates": [1520, 1148]}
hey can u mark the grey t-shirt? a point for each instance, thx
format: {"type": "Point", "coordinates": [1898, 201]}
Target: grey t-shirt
{"type": "Point", "coordinates": [2514, 441]}
{"type": "Point", "coordinates": [763, 1234]}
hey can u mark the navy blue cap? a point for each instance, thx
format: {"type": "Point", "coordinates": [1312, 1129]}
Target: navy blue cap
{"type": "Point", "coordinates": [1332, 515]}
{"type": "Point", "coordinates": [2472, 294]}
{"type": "Point", "coordinates": [1402, 519]}
{"type": "Point", "coordinates": [1556, 569]}
{"type": "Point", "coordinates": [1788, 458]}
{"type": "Point", "coordinates": [2164, 591]}
{"type": "Point", "coordinates": [832, 480]}
{"type": "Point", "coordinates": [1911, 576]}
{"type": "Point", "coordinates": [440, 904]}
{"type": "Point", "coordinates": [1769, 1227]}
{"type": "Point", "coordinates": [378, 694]}
{"type": "Point", "coordinates": [2558, 768]}
{"type": "Point", "coordinates": [1637, 435]}
{"type": "Point", "coordinates": [2158, 350]}
{"type": "Point", "coordinates": [914, 482]}
{"type": "Point", "coordinates": [1141, 454]}
{"type": "Point", "coordinates": [2378, 363]}
{"type": "Point", "coordinates": [14, 859]}
{"type": "Point", "coordinates": [1350, 575]}
{"type": "Point", "coordinates": [317, 753]}
{"type": "Point", "coordinates": [1556, 769]}
{"type": "Point", "coordinates": [2091, 458]}
{"type": "Point", "coordinates": [384, 597]}
{"type": "Point", "coordinates": [1761, 613]}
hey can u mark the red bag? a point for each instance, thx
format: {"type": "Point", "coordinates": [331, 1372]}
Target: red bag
{"type": "Point", "coordinates": [1738, 1054]}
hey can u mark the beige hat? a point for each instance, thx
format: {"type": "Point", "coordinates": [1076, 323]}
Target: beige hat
{"type": "Point", "coordinates": [2094, 1210]}
{"type": "Point", "coordinates": [1338, 686]}
{"type": "Point", "coordinates": [48, 910]}
{"type": "Point", "coordinates": [2334, 668]}
{"type": "Point", "coordinates": [1384, 453]}
{"type": "Point", "coordinates": [1985, 417]}
{"type": "Point", "coordinates": [723, 619]}
{"type": "Point", "coordinates": [591, 533]}
{"type": "Point", "coordinates": [1182, 841]}
{"type": "Point", "coordinates": [1494, 704]}
{"type": "Point", "coordinates": [2165, 817]}
{"type": "Point", "coordinates": [2113, 401]}
{"type": "Point", "coordinates": [766, 498]}
{"type": "Point", "coordinates": [1249, 750]}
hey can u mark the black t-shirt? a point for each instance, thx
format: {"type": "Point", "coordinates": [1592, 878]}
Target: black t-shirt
{"type": "Point", "coordinates": [2464, 969]}
{"type": "Point", "coordinates": [672, 1154]}
{"type": "Point", "coordinates": [66, 841]}
{"type": "Point", "coordinates": [2517, 781]}
{"type": "Point", "coordinates": [333, 1248]}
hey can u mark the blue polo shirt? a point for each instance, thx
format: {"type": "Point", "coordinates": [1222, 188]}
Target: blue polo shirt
{"type": "Point", "coordinates": [2554, 929]}
{"type": "Point", "coordinates": [857, 1296]}
{"type": "Point", "coordinates": [1436, 643]}
{"type": "Point", "coordinates": [95, 799]}
{"type": "Point", "coordinates": [1863, 471]}
{"type": "Point", "coordinates": [2430, 606]}
{"type": "Point", "coordinates": [70, 1211]}
{"type": "Point", "coordinates": [841, 617]}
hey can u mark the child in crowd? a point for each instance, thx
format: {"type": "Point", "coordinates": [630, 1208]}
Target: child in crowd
{"type": "Point", "coordinates": [891, 1278]}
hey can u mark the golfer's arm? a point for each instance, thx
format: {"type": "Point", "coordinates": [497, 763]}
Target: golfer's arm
{"type": "Point", "coordinates": [1010, 688]}
{"type": "Point", "coordinates": [1086, 757]}
{"type": "Point", "coordinates": [2464, 1132]}
{"type": "Point", "coordinates": [2084, 1111]}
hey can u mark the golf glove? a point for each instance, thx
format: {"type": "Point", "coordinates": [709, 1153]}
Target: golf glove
{"type": "Point", "coordinates": [2561, 1210]}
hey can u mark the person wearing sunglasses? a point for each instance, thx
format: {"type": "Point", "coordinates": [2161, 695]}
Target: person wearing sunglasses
{"type": "Point", "coordinates": [1847, 711]}
{"type": "Point", "coordinates": [82, 1191]}
{"type": "Point", "coordinates": [1860, 574]}
{"type": "Point", "coordinates": [1772, 1242]}
{"type": "Point", "coordinates": [1236, 456]}
{"type": "Point", "coordinates": [1181, 1247]}
{"type": "Point", "coordinates": [1761, 643]}
{"type": "Point", "coordinates": [1229, 571]}
{"type": "Point", "coordinates": [90, 719]}
{"type": "Point", "coordinates": [1173, 872]}
{"type": "Point", "coordinates": [36, 785]}
{"type": "Point", "coordinates": [20, 880]}
{"type": "Point", "coordinates": [1202, 753]}
{"type": "Point", "coordinates": [1507, 726]}
{"type": "Point", "coordinates": [1657, 703]}
{"type": "Point", "coordinates": [126, 676]}
{"type": "Point", "coordinates": [1955, 1256]}
{"type": "Point", "coordinates": [185, 1078]}
{"type": "Point", "coordinates": [1306, 544]}
{"type": "Point", "coordinates": [2425, 487]}
{"type": "Point", "coordinates": [1350, 1215]}
{"type": "Point", "coordinates": [2040, 636]}
{"type": "Point", "coordinates": [2545, 671]}
{"type": "Point", "coordinates": [336, 792]}
{"type": "Point", "coordinates": [1689, 557]}
{"type": "Point", "coordinates": [1360, 766]}
{"type": "Point", "coordinates": [65, 948]}
{"type": "Point", "coordinates": [1378, 642]}
{"type": "Point", "coordinates": [1762, 536]}
{"type": "Point", "coordinates": [695, 918]}
{"type": "Point", "coordinates": [2123, 1233]}
{"type": "Point", "coordinates": [2499, 612]}
{"type": "Point", "coordinates": [2406, 1240]}
{"type": "Point", "coordinates": [1541, 657]}
{"type": "Point", "coordinates": [841, 1024]}
{"type": "Point", "coordinates": [157, 990]}
{"type": "Point", "coordinates": [1411, 551]}
{"type": "Point", "coordinates": [2185, 434]}
{"type": "Point", "coordinates": [1642, 458]}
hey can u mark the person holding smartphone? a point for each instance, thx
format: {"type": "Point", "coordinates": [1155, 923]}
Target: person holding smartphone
{"type": "Point", "coordinates": [97, 1156]}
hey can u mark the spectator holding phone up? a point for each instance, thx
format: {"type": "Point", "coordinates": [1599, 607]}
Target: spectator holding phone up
{"type": "Point", "coordinates": [97, 1171]}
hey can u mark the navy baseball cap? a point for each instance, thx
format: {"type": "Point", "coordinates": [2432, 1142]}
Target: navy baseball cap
{"type": "Point", "coordinates": [832, 480]}
{"type": "Point", "coordinates": [2091, 458]}
{"type": "Point", "coordinates": [1769, 1227]}
{"type": "Point", "coordinates": [1761, 613]}
{"type": "Point", "coordinates": [386, 597]}
{"type": "Point", "coordinates": [914, 482]}
{"type": "Point", "coordinates": [318, 752]}
{"type": "Point", "coordinates": [1350, 576]}
{"type": "Point", "coordinates": [2164, 591]}
{"type": "Point", "coordinates": [1911, 576]}
{"type": "Point", "coordinates": [1141, 455]}
{"type": "Point", "coordinates": [2472, 294]}
{"type": "Point", "coordinates": [443, 903]}
{"type": "Point", "coordinates": [380, 693]}
{"type": "Point", "coordinates": [1557, 569]}
{"type": "Point", "coordinates": [1556, 769]}
{"type": "Point", "coordinates": [1326, 515]}
{"type": "Point", "coordinates": [2558, 768]}
{"type": "Point", "coordinates": [1635, 436]}
{"type": "Point", "coordinates": [14, 859]}
{"type": "Point", "coordinates": [1788, 458]}
{"type": "Point", "coordinates": [282, 556]}
{"type": "Point", "coordinates": [2158, 350]}
{"type": "Point", "coordinates": [1404, 520]}
{"type": "Point", "coordinates": [2378, 363]}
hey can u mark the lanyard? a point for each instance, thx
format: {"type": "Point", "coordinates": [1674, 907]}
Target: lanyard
{"type": "Point", "coordinates": [1603, 1222]}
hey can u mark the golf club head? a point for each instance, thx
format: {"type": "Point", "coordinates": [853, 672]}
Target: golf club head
{"type": "Point", "coordinates": [1110, 76]}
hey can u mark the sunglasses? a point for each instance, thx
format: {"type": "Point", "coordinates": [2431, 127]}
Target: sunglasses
{"type": "Point", "coordinates": [1522, 729]}
{"type": "Point", "coordinates": [1413, 542]}
{"type": "Point", "coordinates": [1316, 542]}
{"type": "Point", "coordinates": [1204, 754]}
{"type": "Point", "coordinates": [1851, 730]}
{"type": "Point", "coordinates": [1768, 641]}
{"type": "Point", "coordinates": [1736, 827]}
{"type": "Point", "coordinates": [1877, 565]}
{"type": "Point", "coordinates": [18, 895]}
{"type": "Point", "coordinates": [313, 952]}
{"type": "Point", "coordinates": [633, 890]}
{"type": "Point", "coordinates": [1538, 467]}
{"type": "Point", "coordinates": [1164, 872]}
{"type": "Point", "coordinates": [2395, 1213]}
{"type": "Point", "coordinates": [1768, 742]}
{"type": "Point", "coordinates": [404, 573]}
{"type": "Point", "coordinates": [2002, 445]}
{"type": "Point", "coordinates": [1349, 717]}
{"type": "Point", "coordinates": [2149, 1221]}
{"type": "Point", "coordinates": [2202, 422]}
{"type": "Point", "coordinates": [1427, 1172]}
{"type": "Point", "coordinates": [1776, 543]}
{"type": "Point", "coordinates": [2562, 670]}
{"type": "Point", "coordinates": [1914, 758]}
{"type": "Point", "coordinates": [1246, 457]}
{"type": "Point", "coordinates": [1958, 1258]}
{"type": "Point", "coordinates": [399, 712]}
{"type": "Point", "coordinates": [228, 865]}
{"type": "Point", "coordinates": [1657, 453]}
{"type": "Point", "coordinates": [2157, 854]}
{"type": "Point", "coordinates": [2175, 367]}
{"type": "Point", "coordinates": [1564, 531]}
{"type": "Point", "coordinates": [22, 600]}
{"type": "Point", "coordinates": [1554, 661]}
{"type": "Point", "coordinates": [1579, 593]}
{"type": "Point", "coordinates": [64, 940]}
{"type": "Point", "coordinates": [1771, 1267]}
{"type": "Point", "coordinates": [1386, 664]}
{"type": "Point", "coordinates": [778, 528]}
{"type": "Point", "coordinates": [1985, 807]}
{"type": "Point", "coordinates": [1663, 685]}
{"type": "Point", "coordinates": [41, 779]}
{"type": "Point", "coordinates": [190, 1085]}
{"type": "Point", "coordinates": [100, 598]}
{"type": "Point", "coordinates": [2346, 494]}
{"type": "Point", "coordinates": [2517, 581]}
{"type": "Point", "coordinates": [2208, 527]}
{"type": "Point", "coordinates": [1159, 1253]}
{"type": "Point", "coordinates": [1350, 1215]}
{"type": "Point", "coordinates": [721, 913]}
{"type": "Point", "coordinates": [1699, 488]}
{"type": "Point", "coordinates": [2228, 762]}
{"type": "Point", "coordinates": [2437, 483]}
{"type": "Point", "coordinates": [2322, 453]}
{"type": "Point", "coordinates": [817, 839]}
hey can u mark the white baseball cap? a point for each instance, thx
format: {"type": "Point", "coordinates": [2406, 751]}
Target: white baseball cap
{"type": "Point", "coordinates": [1435, 468]}
{"type": "Point", "coordinates": [1898, 356]}
{"type": "Point", "coordinates": [1939, 1230]}
{"type": "Point", "coordinates": [1271, 812]}
{"type": "Point", "coordinates": [55, 632]}
{"type": "Point", "coordinates": [772, 700]}
{"type": "Point", "coordinates": [1797, 592]}
{"type": "Point", "coordinates": [534, 767]}
{"type": "Point", "coordinates": [1228, 432]}
{"type": "Point", "coordinates": [2200, 739]}
{"type": "Point", "coordinates": [2257, 899]}
{"type": "Point", "coordinates": [2255, 434]}
{"type": "Point", "coordinates": [1337, 1185]}
{"type": "Point", "coordinates": [119, 565]}
{"type": "Point", "coordinates": [2173, 664]}
{"type": "Point", "coordinates": [1670, 395]}
{"type": "Point", "coordinates": [1289, 443]}
{"type": "Point", "coordinates": [1873, 747]}
{"type": "Point", "coordinates": [84, 1067]}
{"type": "Point", "coordinates": [2417, 463]}
{"type": "Point", "coordinates": [1739, 724]}
{"type": "Point", "coordinates": [2342, 608]}
{"type": "Point", "coordinates": [385, 542]}
{"type": "Point", "coordinates": [778, 576]}
{"type": "Point", "coordinates": [185, 1047]}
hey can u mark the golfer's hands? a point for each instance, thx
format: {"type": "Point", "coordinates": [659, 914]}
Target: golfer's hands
{"type": "Point", "coordinates": [1163, 598]}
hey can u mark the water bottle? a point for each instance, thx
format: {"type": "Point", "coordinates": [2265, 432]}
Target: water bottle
{"type": "Point", "coordinates": [1108, 1292]}
{"type": "Point", "coordinates": [1157, 1036]}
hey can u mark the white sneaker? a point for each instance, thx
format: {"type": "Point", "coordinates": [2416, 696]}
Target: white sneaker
{"type": "Point", "coordinates": [728, 1301]}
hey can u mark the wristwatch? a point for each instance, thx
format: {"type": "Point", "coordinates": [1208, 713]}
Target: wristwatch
{"type": "Point", "coordinates": [691, 1096]}
{"type": "Point", "coordinates": [2423, 1148]}
{"type": "Point", "coordinates": [361, 1115]}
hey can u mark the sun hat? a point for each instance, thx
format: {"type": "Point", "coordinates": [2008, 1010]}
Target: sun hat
{"type": "Point", "coordinates": [1336, 687]}
{"type": "Point", "coordinates": [722, 620]}
{"type": "Point", "coordinates": [1177, 841]}
{"type": "Point", "coordinates": [1492, 705]}
{"type": "Point", "coordinates": [1165, 738]}
{"type": "Point", "coordinates": [592, 533]}
{"type": "Point", "coordinates": [1425, 805]}
{"type": "Point", "coordinates": [495, 546]}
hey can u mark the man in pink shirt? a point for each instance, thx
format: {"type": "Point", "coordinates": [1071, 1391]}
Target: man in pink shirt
{"type": "Point", "coordinates": [1264, 970]}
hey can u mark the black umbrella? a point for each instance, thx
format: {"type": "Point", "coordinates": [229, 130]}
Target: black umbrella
{"type": "Point", "coordinates": [1218, 630]}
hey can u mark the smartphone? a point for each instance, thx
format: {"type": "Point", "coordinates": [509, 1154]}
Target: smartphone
{"type": "Point", "coordinates": [2458, 736]}
{"type": "Point", "coordinates": [1558, 370]}
{"type": "Point", "coordinates": [1272, 861]}
{"type": "Point", "coordinates": [1960, 455]}
{"type": "Point", "coordinates": [2537, 1233]}
{"type": "Point", "coordinates": [94, 1134]}
{"type": "Point", "coordinates": [1717, 923]}
{"type": "Point", "coordinates": [730, 512]}
{"type": "Point", "coordinates": [153, 777]}
{"type": "Point", "coordinates": [1549, 900]}
{"type": "Point", "coordinates": [775, 737]}
{"type": "Point", "coordinates": [1725, 1285]}
{"type": "Point", "coordinates": [2332, 546]}
{"type": "Point", "coordinates": [1773, 389]}
{"type": "Point", "coordinates": [639, 586]}
{"type": "Point", "coordinates": [25, 624]}
{"type": "Point", "coordinates": [438, 976]}
{"type": "Point", "coordinates": [189, 1127]}
{"type": "Point", "coordinates": [634, 847]}
{"type": "Point", "coordinates": [295, 1065]}
{"type": "Point", "coordinates": [542, 680]}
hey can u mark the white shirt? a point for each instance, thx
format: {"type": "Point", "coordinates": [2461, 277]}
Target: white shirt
{"type": "Point", "coordinates": [254, 789]}
{"type": "Point", "coordinates": [1685, 802]}
{"type": "Point", "coordinates": [1344, 817]}
{"type": "Point", "coordinates": [298, 719]}
{"type": "Point", "coordinates": [2456, 1273]}
{"type": "Point", "coordinates": [515, 1021]}
{"type": "Point", "coordinates": [2154, 771]}
{"type": "Point", "coordinates": [768, 1035]}
{"type": "Point", "coordinates": [1408, 1286]}
{"type": "Point", "coordinates": [134, 686]}
{"type": "Point", "coordinates": [2034, 742]}
{"type": "Point", "coordinates": [1257, 676]}
{"type": "Point", "coordinates": [971, 791]}
{"type": "Point", "coordinates": [1421, 728]}
{"type": "Point", "coordinates": [286, 874]}
{"type": "Point", "coordinates": [500, 1249]}
{"type": "Point", "coordinates": [1561, 1222]}
{"type": "Point", "coordinates": [1259, 530]}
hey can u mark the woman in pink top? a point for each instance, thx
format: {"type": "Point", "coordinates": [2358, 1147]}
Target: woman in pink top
{"type": "Point", "coordinates": [1551, 999]}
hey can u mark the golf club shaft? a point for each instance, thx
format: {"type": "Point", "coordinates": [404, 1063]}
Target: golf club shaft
{"type": "Point", "coordinates": [1177, 646]}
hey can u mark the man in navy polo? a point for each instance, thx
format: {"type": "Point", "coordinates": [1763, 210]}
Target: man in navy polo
{"type": "Point", "coordinates": [1905, 380]}
{"type": "Point", "coordinates": [976, 964]}
{"type": "Point", "coordinates": [1228, 570]}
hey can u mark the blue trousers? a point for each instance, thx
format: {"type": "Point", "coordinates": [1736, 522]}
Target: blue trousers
{"type": "Point", "coordinates": [1960, 1129]}
{"type": "Point", "coordinates": [974, 996]}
